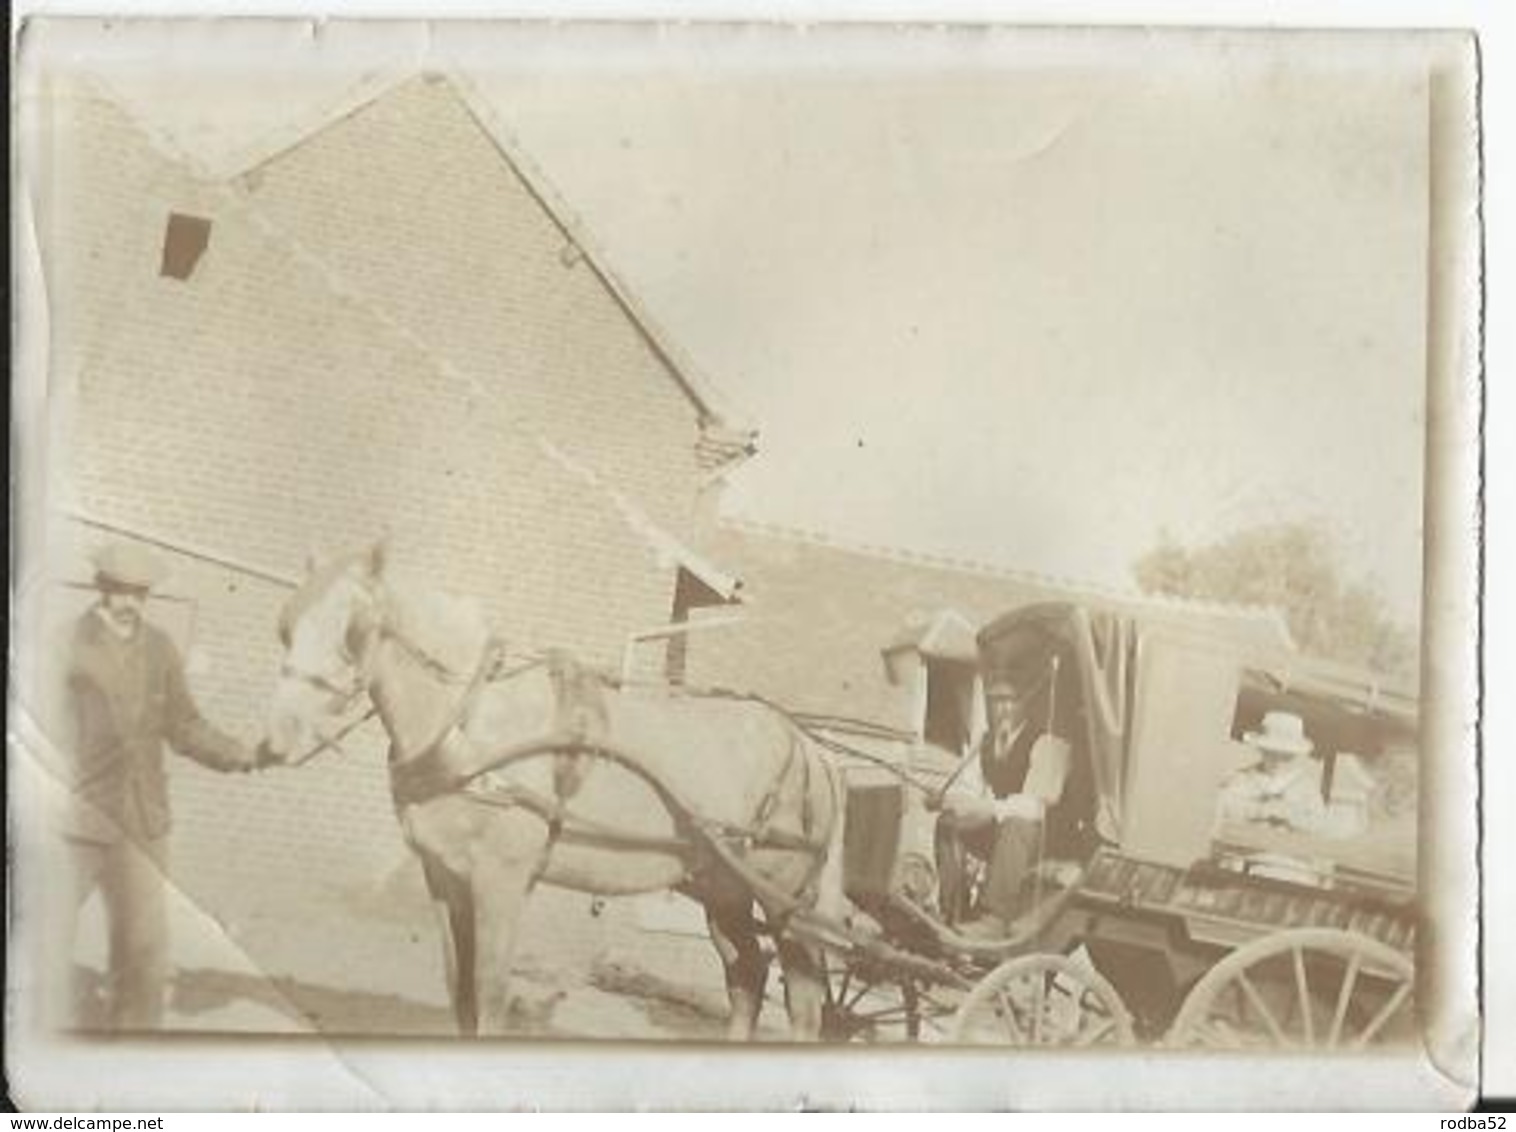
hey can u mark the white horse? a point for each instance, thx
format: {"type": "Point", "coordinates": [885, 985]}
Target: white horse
{"type": "Point", "coordinates": [503, 778]}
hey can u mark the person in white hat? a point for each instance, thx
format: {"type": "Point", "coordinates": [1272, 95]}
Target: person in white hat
{"type": "Point", "coordinates": [124, 697]}
{"type": "Point", "coordinates": [1283, 788]}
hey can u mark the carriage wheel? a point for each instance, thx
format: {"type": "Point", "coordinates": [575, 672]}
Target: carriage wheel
{"type": "Point", "coordinates": [1043, 1000]}
{"type": "Point", "coordinates": [1305, 988]}
{"type": "Point", "coordinates": [861, 1008]}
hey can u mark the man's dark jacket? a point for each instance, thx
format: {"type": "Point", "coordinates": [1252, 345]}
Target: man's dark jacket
{"type": "Point", "coordinates": [124, 698]}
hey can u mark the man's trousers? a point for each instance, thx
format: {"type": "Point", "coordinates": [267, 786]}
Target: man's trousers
{"type": "Point", "coordinates": [130, 877]}
{"type": "Point", "coordinates": [1009, 847]}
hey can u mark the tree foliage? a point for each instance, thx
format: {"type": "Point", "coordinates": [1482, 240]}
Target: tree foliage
{"type": "Point", "coordinates": [1290, 567]}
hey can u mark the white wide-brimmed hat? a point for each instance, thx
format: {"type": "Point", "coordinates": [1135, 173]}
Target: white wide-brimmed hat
{"type": "Point", "coordinates": [1283, 733]}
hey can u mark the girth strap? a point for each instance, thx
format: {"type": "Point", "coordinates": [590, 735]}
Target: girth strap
{"type": "Point", "coordinates": [449, 765]}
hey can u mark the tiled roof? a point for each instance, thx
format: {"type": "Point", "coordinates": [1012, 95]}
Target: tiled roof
{"type": "Point", "coordinates": [821, 612]}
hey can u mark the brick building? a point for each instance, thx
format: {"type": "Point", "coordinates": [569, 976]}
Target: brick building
{"type": "Point", "coordinates": [389, 325]}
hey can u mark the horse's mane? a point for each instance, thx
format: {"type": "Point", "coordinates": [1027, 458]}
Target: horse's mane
{"type": "Point", "coordinates": [446, 626]}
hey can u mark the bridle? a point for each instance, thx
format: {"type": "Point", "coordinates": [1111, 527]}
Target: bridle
{"type": "Point", "coordinates": [381, 629]}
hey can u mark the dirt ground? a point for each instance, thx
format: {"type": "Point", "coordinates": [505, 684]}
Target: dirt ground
{"type": "Point", "coordinates": [371, 964]}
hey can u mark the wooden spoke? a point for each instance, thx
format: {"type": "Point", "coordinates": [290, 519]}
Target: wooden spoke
{"type": "Point", "coordinates": [1093, 1035]}
{"type": "Point", "coordinates": [1386, 1012]}
{"type": "Point", "coordinates": [1344, 996]}
{"type": "Point", "coordinates": [1262, 1007]}
{"type": "Point", "coordinates": [1214, 1037]}
{"type": "Point", "coordinates": [1008, 1012]}
{"type": "Point", "coordinates": [1303, 988]}
{"type": "Point", "coordinates": [862, 990]}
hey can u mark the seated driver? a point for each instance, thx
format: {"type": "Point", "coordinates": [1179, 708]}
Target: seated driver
{"type": "Point", "coordinates": [993, 810]}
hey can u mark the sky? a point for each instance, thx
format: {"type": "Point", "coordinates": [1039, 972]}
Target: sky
{"type": "Point", "coordinates": [1011, 298]}
{"type": "Point", "coordinates": [1033, 315]}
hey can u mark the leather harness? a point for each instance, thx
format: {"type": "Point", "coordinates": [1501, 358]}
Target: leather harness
{"type": "Point", "coordinates": [454, 763]}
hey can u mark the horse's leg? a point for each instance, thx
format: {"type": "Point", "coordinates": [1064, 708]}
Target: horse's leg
{"type": "Point", "coordinates": [804, 967]}
{"type": "Point", "coordinates": [454, 909]}
{"type": "Point", "coordinates": [456, 912]}
{"type": "Point", "coordinates": [735, 935]}
{"type": "Point", "coordinates": [505, 869]}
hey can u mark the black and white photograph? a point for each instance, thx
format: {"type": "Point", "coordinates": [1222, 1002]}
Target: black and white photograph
{"type": "Point", "coordinates": [550, 537]}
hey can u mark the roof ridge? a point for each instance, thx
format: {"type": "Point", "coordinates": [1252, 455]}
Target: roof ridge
{"type": "Point", "coordinates": [967, 565]}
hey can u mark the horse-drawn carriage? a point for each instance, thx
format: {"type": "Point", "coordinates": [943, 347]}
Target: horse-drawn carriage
{"type": "Point", "coordinates": [1140, 920]}
{"type": "Point", "coordinates": [1147, 917]}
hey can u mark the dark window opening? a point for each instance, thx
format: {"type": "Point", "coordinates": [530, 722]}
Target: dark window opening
{"type": "Point", "coordinates": [949, 705]}
{"type": "Point", "coordinates": [185, 239]}
{"type": "Point", "coordinates": [690, 593]}
{"type": "Point", "coordinates": [1333, 728]}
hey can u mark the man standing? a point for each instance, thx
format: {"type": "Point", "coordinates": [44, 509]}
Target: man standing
{"type": "Point", "coordinates": [124, 696]}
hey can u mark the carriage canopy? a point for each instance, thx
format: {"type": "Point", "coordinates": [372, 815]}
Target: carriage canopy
{"type": "Point", "coordinates": [1085, 662]}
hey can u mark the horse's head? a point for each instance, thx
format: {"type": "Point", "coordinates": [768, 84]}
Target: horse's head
{"type": "Point", "coordinates": [330, 629]}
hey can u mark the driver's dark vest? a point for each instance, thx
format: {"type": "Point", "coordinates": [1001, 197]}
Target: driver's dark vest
{"type": "Point", "coordinates": [1070, 829]}
{"type": "Point", "coordinates": [1005, 776]}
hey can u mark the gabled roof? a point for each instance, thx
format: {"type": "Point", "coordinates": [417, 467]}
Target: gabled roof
{"type": "Point", "coordinates": [726, 436]}
{"type": "Point", "coordinates": [663, 547]}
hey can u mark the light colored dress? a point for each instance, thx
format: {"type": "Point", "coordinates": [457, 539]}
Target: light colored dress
{"type": "Point", "coordinates": [1287, 794]}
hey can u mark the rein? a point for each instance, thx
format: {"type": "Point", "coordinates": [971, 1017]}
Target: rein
{"type": "Point", "coordinates": [489, 669]}
{"type": "Point", "coordinates": [333, 742]}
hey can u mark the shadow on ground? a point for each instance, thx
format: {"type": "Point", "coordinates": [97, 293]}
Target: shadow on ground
{"type": "Point", "coordinates": [221, 998]}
